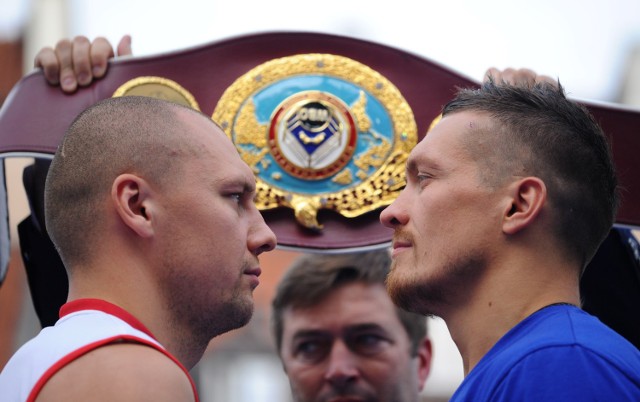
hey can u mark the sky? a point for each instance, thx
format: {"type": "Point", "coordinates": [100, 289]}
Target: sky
{"type": "Point", "coordinates": [583, 42]}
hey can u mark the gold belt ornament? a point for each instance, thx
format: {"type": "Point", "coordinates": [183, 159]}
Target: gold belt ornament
{"type": "Point", "coordinates": [319, 131]}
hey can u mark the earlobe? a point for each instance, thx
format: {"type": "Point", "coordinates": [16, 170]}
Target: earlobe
{"type": "Point", "coordinates": [130, 195]}
{"type": "Point", "coordinates": [528, 196]}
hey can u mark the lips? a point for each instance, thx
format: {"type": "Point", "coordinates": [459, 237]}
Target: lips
{"type": "Point", "coordinates": [346, 399]}
{"type": "Point", "coordinates": [350, 392]}
{"type": "Point", "coordinates": [253, 271]}
{"type": "Point", "coordinates": [253, 274]}
{"type": "Point", "coordinates": [399, 245]}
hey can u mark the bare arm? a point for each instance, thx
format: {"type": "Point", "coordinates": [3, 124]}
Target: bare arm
{"type": "Point", "coordinates": [119, 372]}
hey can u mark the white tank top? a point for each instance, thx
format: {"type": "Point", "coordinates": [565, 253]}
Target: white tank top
{"type": "Point", "coordinates": [84, 325]}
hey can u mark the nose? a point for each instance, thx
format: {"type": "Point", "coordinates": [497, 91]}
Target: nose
{"type": "Point", "coordinates": [395, 214]}
{"type": "Point", "coordinates": [261, 238]}
{"type": "Point", "coordinates": [342, 368]}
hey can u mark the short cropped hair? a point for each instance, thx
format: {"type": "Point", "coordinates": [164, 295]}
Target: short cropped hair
{"type": "Point", "coordinates": [537, 131]}
{"type": "Point", "coordinates": [313, 277]}
{"type": "Point", "coordinates": [138, 135]}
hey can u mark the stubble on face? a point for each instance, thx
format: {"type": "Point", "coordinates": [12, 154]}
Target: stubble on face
{"type": "Point", "coordinates": [344, 392]}
{"type": "Point", "coordinates": [205, 295]}
{"type": "Point", "coordinates": [430, 290]}
{"type": "Point", "coordinates": [446, 236]}
{"type": "Point", "coordinates": [199, 310]}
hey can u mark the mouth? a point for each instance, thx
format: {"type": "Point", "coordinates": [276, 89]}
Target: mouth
{"type": "Point", "coordinates": [398, 246]}
{"type": "Point", "coordinates": [253, 274]}
{"type": "Point", "coordinates": [346, 399]}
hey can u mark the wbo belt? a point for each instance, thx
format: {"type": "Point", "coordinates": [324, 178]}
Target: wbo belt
{"type": "Point", "coordinates": [325, 122]}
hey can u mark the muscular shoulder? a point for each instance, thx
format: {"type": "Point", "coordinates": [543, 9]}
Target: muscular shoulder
{"type": "Point", "coordinates": [122, 372]}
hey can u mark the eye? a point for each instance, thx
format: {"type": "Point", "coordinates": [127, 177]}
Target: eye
{"type": "Point", "coordinates": [367, 343]}
{"type": "Point", "coordinates": [239, 198]}
{"type": "Point", "coordinates": [423, 179]}
{"type": "Point", "coordinates": [311, 350]}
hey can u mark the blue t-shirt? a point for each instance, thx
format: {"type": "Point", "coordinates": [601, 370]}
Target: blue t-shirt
{"type": "Point", "coordinates": [559, 353]}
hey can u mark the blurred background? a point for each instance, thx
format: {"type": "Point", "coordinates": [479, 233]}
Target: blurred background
{"type": "Point", "coordinates": [592, 46]}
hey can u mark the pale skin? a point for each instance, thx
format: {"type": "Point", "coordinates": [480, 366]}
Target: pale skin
{"type": "Point", "coordinates": [517, 267]}
{"type": "Point", "coordinates": [142, 229]}
{"type": "Point", "coordinates": [119, 372]}
{"type": "Point", "coordinates": [141, 222]}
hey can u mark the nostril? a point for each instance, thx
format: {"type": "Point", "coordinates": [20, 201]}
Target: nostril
{"type": "Point", "coordinates": [341, 378]}
{"type": "Point", "coordinates": [266, 247]}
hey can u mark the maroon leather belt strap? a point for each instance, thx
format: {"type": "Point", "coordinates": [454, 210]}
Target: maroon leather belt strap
{"type": "Point", "coordinates": [36, 115]}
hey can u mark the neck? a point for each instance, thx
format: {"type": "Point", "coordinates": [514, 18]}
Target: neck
{"type": "Point", "coordinates": [500, 300]}
{"type": "Point", "coordinates": [140, 298]}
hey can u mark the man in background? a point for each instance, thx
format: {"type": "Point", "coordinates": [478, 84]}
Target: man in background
{"type": "Point", "coordinates": [339, 335]}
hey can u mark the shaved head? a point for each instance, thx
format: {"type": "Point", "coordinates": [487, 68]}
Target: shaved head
{"type": "Point", "coordinates": [137, 135]}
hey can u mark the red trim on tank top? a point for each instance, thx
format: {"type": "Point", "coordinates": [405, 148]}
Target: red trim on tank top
{"type": "Point", "coordinates": [111, 309]}
{"type": "Point", "coordinates": [106, 307]}
{"type": "Point", "coordinates": [95, 345]}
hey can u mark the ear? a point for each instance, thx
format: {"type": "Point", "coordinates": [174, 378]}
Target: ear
{"type": "Point", "coordinates": [131, 197]}
{"type": "Point", "coordinates": [424, 362]}
{"type": "Point", "coordinates": [527, 198]}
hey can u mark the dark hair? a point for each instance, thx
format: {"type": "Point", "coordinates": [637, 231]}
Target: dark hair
{"type": "Point", "coordinates": [537, 131]}
{"type": "Point", "coordinates": [313, 277]}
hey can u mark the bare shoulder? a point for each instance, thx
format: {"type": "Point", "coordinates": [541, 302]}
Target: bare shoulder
{"type": "Point", "coordinates": [122, 372]}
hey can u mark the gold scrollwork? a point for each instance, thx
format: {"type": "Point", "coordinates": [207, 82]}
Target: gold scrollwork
{"type": "Point", "coordinates": [235, 113]}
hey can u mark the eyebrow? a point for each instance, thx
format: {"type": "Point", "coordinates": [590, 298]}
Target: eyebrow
{"type": "Point", "coordinates": [366, 327]}
{"type": "Point", "coordinates": [411, 166]}
{"type": "Point", "coordinates": [349, 329]}
{"type": "Point", "coordinates": [248, 186]}
{"type": "Point", "coordinates": [307, 333]}
{"type": "Point", "coordinates": [413, 163]}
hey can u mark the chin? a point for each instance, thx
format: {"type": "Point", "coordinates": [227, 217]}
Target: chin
{"type": "Point", "coordinates": [413, 294]}
{"type": "Point", "coordinates": [243, 312]}
{"type": "Point", "coordinates": [401, 289]}
{"type": "Point", "coordinates": [228, 316]}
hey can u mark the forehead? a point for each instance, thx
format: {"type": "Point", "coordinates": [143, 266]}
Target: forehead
{"type": "Point", "coordinates": [215, 150]}
{"type": "Point", "coordinates": [349, 305]}
{"type": "Point", "coordinates": [448, 142]}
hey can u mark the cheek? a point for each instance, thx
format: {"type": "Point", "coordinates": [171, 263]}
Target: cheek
{"type": "Point", "coordinates": [386, 366]}
{"type": "Point", "coordinates": [389, 375]}
{"type": "Point", "coordinates": [226, 231]}
{"type": "Point", "coordinates": [436, 223]}
{"type": "Point", "coordinates": [304, 379]}
{"type": "Point", "coordinates": [432, 212]}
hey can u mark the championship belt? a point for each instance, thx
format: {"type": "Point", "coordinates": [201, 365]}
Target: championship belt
{"type": "Point", "coordinates": [320, 131]}
{"type": "Point", "coordinates": [325, 122]}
